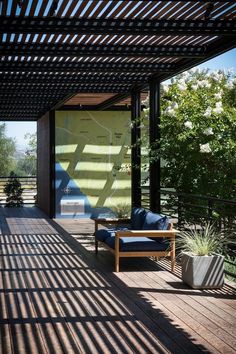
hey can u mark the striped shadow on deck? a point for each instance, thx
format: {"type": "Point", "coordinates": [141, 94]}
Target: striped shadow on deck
{"type": "Point", "coordinates": [57, 297]}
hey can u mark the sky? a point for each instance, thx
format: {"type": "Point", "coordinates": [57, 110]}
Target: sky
{"type": "Point", "coordinates": [18, 130]}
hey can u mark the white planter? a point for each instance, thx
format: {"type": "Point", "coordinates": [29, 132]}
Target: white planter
{"type": "Point", "coordinates": [203, 272]}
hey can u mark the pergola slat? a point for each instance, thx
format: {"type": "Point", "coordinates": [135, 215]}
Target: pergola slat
{"type": "Point", "coordinates": [38, 66]}
{"type": "Point", "coordinates": [68, 50]}
{"type": "Point", "coordinates": [52, 49]}
{"type": "Point", "coordinates": [117, 26]}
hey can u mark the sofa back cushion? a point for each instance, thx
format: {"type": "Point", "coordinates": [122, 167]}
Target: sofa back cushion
{"type": "Point", "coordinates": [137, 218]}
{"type": "Point", "coordinates": [155, 221]}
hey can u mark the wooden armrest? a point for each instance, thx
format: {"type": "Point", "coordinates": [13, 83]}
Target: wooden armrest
{"type": "Point", "coordinates": [110, 221]}
{"type": "Point", "coordinates": [147, 233]}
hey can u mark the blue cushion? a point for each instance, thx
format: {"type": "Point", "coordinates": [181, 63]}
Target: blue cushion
{"type": "Point", "coordinates": [155, 221]}
{"type": "Point", "coordinates": [102, 234]}
{"type": "Point", "coordinates": [137, 218]}
{"type": "Point", "coordinates": [135, 244]}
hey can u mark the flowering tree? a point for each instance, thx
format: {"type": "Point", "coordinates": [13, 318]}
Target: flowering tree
{"type": "Point", "coordinates": [198, 133]}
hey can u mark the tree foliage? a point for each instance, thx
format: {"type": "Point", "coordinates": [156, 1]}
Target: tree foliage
{"type": "Point", "coordinates": [7, 149]}
{"type": "Point", "coordinates": [198, 134]}
{"type": "Point", "coordinates": [26, 165]}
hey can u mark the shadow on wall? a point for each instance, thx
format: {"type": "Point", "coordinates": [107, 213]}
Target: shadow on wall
{"type": "Point", "coordinates": [92, 163]}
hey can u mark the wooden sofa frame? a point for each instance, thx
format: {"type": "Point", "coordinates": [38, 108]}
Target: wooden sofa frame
{"type": "Point", "coordinates": [169, 233]}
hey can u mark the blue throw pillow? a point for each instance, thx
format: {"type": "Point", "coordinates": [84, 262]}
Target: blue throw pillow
{"type": "Point", "coordinates": [155, 221]}
{"type": "Point", "coordinates": [137, 218]}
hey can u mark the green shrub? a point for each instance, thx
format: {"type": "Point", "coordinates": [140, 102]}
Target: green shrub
{"type": "Point", "coordinates": [13, 191]}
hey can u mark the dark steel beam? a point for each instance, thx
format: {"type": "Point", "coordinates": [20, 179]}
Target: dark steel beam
{"type": "Point", "coordinates": [154, 136]}
{"type": "Point", "coordinates": [66, 107]}
{"type": "Point", "coordinates": [135, 149]}
{"type": "Point", "coordinates": [86, 88]}
{"type": "Point", "coordinates": [54, 82]}
{"type": "Point", "coordinates": [53, 25]}
{"type": "Point", "coordinates": [89, 50]}
{"type": "Point", "coordinates": [71, 67]}
{"type": "Point", "coordinates": [111, 101]}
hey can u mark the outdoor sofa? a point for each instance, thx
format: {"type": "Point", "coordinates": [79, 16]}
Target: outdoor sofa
{"type": "Point", "coordinates": [145, 234]}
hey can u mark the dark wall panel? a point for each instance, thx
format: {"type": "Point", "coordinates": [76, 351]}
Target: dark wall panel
{"type": "Point", "coordinates": [43, 164]}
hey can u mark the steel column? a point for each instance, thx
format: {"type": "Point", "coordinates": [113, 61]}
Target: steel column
{"type": "Point", "coordinates": [135, 149]}
{"type": "Point", "coordinates": [154, 136]}
{"type": "Point", "coordinates": [52, 171]}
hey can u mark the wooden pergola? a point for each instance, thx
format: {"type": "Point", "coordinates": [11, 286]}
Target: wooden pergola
{"type": "Point", "coordinates": [54, 50]}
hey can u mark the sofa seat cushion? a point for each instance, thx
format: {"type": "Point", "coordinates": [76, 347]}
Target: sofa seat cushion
{"type": "Point", "coordinates": [137, 244]}
{"type": "Point", "coordinates": [137, 218]}
{"type": "Point", "coordinates": [102, 234]}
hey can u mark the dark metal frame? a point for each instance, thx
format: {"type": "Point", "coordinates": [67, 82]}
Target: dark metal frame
{"type": "Point", "coordinates": [154, 138]}
{"type": "Point", "coordinates": [52, 145]}
{"type": "Point", "coordinates": [135, 149]}
{"type": "Point", "coordinates": [39, 74]}
{"type": "Point", "coordinates": [117, 26]}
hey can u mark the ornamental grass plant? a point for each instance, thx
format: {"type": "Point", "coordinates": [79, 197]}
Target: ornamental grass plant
{"type": "Point", "coordinates": [121, 210]}
{"type": "Point", "coordinates": [204, 242]}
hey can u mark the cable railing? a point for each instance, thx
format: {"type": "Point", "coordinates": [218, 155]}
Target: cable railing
{"type": "Point", "coordinates": [192, 209]}
{"type": "Point", "coordinates": [29, 185]}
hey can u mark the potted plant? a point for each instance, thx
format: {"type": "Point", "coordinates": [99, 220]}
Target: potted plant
{"type": "Point", "coordinates": [13, 192]}
{"type": "Point", "coordinates": [202, 257]}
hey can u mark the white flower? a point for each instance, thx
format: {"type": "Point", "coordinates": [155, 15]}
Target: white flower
{"type": "Point", "coordinates": [208, 131]}
{"type": "Point", "coordinates": [204, 83]}
{"type": "Point", "coordinates": [205, 148]}
{"type": "Point", "coordinates": [174, 105]}
{"type": "Point", "coordinates": [207, 113]}
{"type": "Point", "coordinates": [165, 88]}
{"type": "Point", "coordinates": [218, 95]}
{"type": "Point", "coordinates": [184, 75]}
{"type": "Point", "coordinates": [216, 76]}
{"type": "Point", "coordinates": [230, 85]}
{"type": "Point", "coordinates": [195, 70]}
{"type": "Point", "coordinates": [218, 110]}
{"type": "Point", "coordinates": [188, 124]}
{"type": "Point", "coordinates": [194, 86]}
{"type": "Point", "coordinates": [182, 86]}
{"type": "Point", "coordinates": [170, 112]}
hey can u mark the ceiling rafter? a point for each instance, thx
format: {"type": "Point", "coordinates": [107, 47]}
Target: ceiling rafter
{"type": "Point", "coordinates": [98, 26]}
{"type": "Point", "coordinates": [40, 66]}
{"type": "Point", "coordinates": [54, 51]}
{"type": "Point", "coordinates": [91, 50]}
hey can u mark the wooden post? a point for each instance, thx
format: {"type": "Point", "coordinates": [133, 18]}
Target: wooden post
{"type": "Point", "coordinates": [117, 258]}
{"type": "Point", "coordinates": [172, 254]}
{"type": "Point", "coordinates": [154, 136]}
{"type": "Point", "coordinates": [96, 241]}
{"type": "Point", "coordinates": [135, 149]}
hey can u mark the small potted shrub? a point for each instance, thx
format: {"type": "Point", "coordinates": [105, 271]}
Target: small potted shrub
{"type": "Point", "coordinates": [13, 192]}
{"type": "Point", "coordinates": [201, 257]}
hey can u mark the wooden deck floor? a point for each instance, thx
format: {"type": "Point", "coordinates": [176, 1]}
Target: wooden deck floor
{"type": "Point", "coordinates": [56, 296]}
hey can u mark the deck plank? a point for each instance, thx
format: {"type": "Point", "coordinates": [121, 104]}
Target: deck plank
{"type": "Point", "coordinates": [56, 296]}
